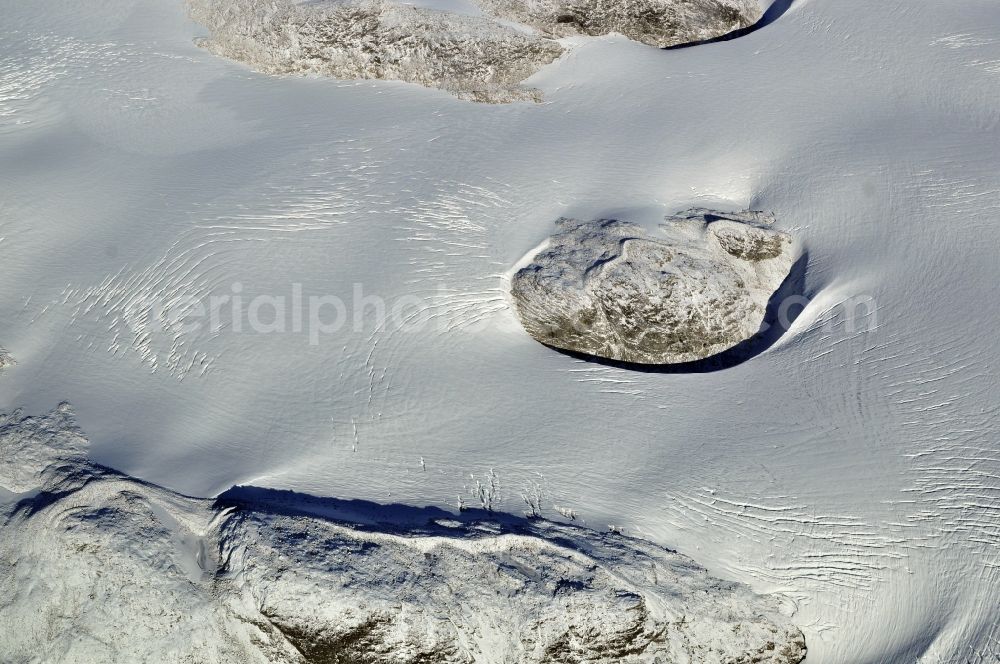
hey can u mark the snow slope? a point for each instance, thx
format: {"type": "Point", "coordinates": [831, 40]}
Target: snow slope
{"type": "Point", "coordinates": [853, 467]}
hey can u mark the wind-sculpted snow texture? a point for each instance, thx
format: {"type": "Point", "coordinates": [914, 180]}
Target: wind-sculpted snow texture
{"type": "Point", "coordinates": [610, 289]}
{"type": "Point", "coordinates": [470, 56]}
{"type": "Point", "coordinates": [655, 22]}
{"type": "Point", "coordinates": [98, 566]}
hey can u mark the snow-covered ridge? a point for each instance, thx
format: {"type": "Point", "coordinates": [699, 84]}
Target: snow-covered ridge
{"type": "Point", "coordinates": [610, 289]}
{"type": "Point", "coordinates": [103, 567]}
{"type": "Point", "coordinates": [6, 359]}
{"type": "Point", "coordinates": [475, 57]}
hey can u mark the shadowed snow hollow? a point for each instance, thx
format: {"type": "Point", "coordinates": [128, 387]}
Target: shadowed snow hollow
{"type": "Point", "coordinates": [475, 57]}
{"type": "Point", "coordinates": [610, 289]}
{"type": "Point", "coordinates": [99, 566]}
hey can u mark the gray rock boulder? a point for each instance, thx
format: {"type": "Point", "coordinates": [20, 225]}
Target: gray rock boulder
{"type": "Point", "coordinates": [6, 360]}
{"type": "Point", "coordinates": [611, 289]}
{"type": "Point", "coordinates": [659, 23]}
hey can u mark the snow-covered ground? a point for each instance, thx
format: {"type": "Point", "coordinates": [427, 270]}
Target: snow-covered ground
{"type": "Point", "coordinates": [853, 468]}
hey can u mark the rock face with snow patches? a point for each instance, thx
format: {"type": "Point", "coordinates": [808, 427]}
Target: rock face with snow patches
{"type": "Point", "coordinates": [481, 58]}
{"type": "Point", "coordinates": [659, 23]}
{"type": "Point", "coordinates": [611, 289]}
{"type": "Point", "coordinates": [279, 577]}
{"type": "Point", "coordinates": [6, 360]}
{"type": "Point", "coordinates": [472, 57]}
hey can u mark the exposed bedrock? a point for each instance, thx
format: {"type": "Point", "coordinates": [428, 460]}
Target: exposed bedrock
{"type": "Point", "coordinates": [659, 23]}
{"type": "Point", "coordinates": [6, 360]}
{"type": "Point", "coordinates": [98, 566]}
{"type": "Point", "coordinates": [470, 56]}
{"type": "Point", "coordinates": [481, 58]}
{"type": "Point", "coordinates": [611, 289]}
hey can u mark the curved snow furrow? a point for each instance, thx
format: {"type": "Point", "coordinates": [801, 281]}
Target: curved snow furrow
{"type": "Point", "coordinates": [330, 194]}
{"type": "Point", "coordinates": [963, 40]}
{"type": "Point", "coordinates": [98, 74]}
{"type": "Point", "coordinates": [31, 64]}
{"type": "Point", "coordinates": [461, 215]}
{"type": "Point", "coordinates": [145, 309]}
{"type": "Point", "coordinates": [953, 475]}
{"type": "Point", "coordinates": [611, 381]}
{"type": "Point", "coordinates": [949, 505]}
{"type": "Point", "coordinates": [841, 551]}
{"type": "Point", "coordinates": [961, 43]}
{"type": "Point", "coordinates": [965, 196]}
{"type": "Point", "coordinates": [141, 307]}
{"type": "Point", "coordinates": [454, 278]}
{"type": "Point", "coordinates": [22, 80]}
{"type": "Point", "coordinates": [448, 311]}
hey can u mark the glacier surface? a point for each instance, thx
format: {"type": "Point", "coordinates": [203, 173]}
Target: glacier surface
{"type": "Point", "coordinates": [852, 468]}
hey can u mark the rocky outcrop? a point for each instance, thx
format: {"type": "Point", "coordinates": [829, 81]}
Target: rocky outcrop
{"type": "Point", "coordinates": [98, 566]}
{"type": "Point", "coordinates": [611, 289]}
{"type": "Point", "coordinates": [473, 57]}
{"type": "Point", "coordinates": [6, 360]}
{"type": "Point", "coordinates": [481, 58]}
{"type": "Point", "coordinates": [659, 23]}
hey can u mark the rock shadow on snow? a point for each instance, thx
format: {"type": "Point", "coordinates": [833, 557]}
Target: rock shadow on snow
{"type": "Point", "coordinates": [777, 9]}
